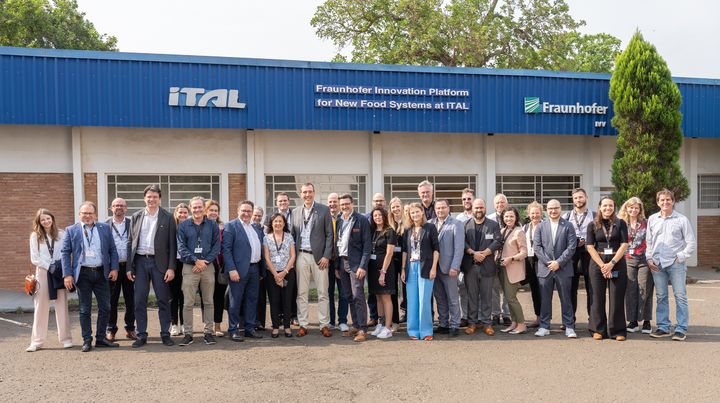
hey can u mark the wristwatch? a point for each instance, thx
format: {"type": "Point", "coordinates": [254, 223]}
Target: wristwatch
{"type": "Point", "coordinates": [613, 262]}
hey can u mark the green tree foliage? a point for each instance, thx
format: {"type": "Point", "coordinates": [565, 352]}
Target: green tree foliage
{"type": "Point", "coordinates": [49, 24]}
{"type": "Point", "coordinates": [647, 118]}
{"type": "Point", "coordinates": [523, 34]}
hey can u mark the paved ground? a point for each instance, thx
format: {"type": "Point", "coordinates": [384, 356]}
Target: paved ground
{"type": "Point", "coordinates": [469, 367]}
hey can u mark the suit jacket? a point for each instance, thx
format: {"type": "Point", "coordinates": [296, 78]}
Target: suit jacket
{"type": "Point", "coordinates": [360, 243]}
{"type": "Point", "coordinates": [490, 240]}
{"type": "Point", "coordinates": [165, 240]}
{"type": "Point", "coordinates": [236, 249]}
{"type": "Point", "coordinates": [562, 252]}
{"type": "Point", "coordinates": [429, 243]}
{"type": "Point", "coordinates": [72, 249]}
{"type": "Point", "coordinates": [452, 243]}
{"type": "Point", "coordinates": [515, 246]}
{"type": "Point", "coordinates": [321, 234]}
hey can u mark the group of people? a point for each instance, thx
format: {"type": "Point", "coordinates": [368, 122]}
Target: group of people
{"type": "Point", "coordinates": [467, 268]}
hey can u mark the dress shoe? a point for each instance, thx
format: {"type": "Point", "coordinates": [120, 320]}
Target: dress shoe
{"type": "Point", "coordinates": [288, 333]}
{"type": "Point", "coordinates": [372, 323]}
{"type": "Point", "coordinates": [518, 330]}
{"type": "Point", "coordinates": [428, 338]}
{"type": "Point", "coordinates": [597, 336]}
{"type": "Point", "coordinates": [237, 336]}
{"type": "Point", "coordinates": [471, 329]}
{"type": "Point", "coordinates": [141, 341]}
{"type": "Point", "coordinates": [496, 320]}
{"type": "Point", "coordinates": [463, 322]}
{"type": "Point", "coordinates": [441, 330]}
{"type": "Point", "coordinates": [167, 341]}
{"type": "Point", "coordinates": [489, 331]}
{"type": "Point", "coordinates": [131, 335]}
{"type": "Point", "coordinates": [259, 328]}
{"type": "Point", "coordinates": [110, 335]}
{"type": "Point", "coordinates": [302, 332]}
{"type": "Point", "coordinates": [620, 338]}
{"type": "Point", "coordinates": [326, 331]}
{"type": "Point", "coordinates": [360, 336]}
{"type": "Point", "coordinates": [87, 346]}
{"type": "Point", "coordinates": [105, 343]}
{"type": "Point", "coordinates": [252, 335]}
{"type": "Point", "coordinates": [275, 333]}
{"type": "Point", "coordinates": [454, 332]}
{"type": "Point", "coordinates": [508, 329]}
{"type": "Point", "coordinates": [506, 320]}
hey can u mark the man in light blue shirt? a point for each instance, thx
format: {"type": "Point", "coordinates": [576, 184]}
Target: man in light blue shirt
{"type": "Point", "coordinates": [670, 242]}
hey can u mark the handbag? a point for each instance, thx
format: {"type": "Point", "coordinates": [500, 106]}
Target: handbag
{"type": "Point", "coordinates": [31, 286]}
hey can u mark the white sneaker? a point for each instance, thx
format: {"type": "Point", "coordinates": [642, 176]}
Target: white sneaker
{"type": "Point", "coordinates": [542, 332]}
{"type": "Point", "coordinates": [68, 345]}
{"type": "Point", "coordinates": [570, 333]}
{"type": "Point", "coordinates": [378, 329]}
{"type": "Point", "coordinates": [32, 348]}
{"type": "Point", "coordinates": [344, 327]}
{"type": "Point", "coordinates": [385, 333]}
{"type": "Point", "coordinates": [174, 330]}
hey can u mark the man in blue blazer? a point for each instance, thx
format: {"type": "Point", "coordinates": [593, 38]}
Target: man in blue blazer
{"type": "Point", "coordinates": [89, 259]}
{"type": "Point", "coordinates": [451, 236]}
{"type": "Point", "coordinates": [242, 252]}
{"type": "Point", "coordinates": [554, 245]}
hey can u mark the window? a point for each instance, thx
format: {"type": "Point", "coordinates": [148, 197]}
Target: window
{"type": "Point", "coordinates": [709, 191]}
{"type": "Point", "coordinates": [175, 188]}
{"type": "Point", "coordinates": [521, 190]}
{"type": "Point", "coordinates": [356, 185]}
{"type": "Point", "coordinates": [446, 187]}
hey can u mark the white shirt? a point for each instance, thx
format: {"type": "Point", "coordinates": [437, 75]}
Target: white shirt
{"type": "Point", "coordinates": [308, 214]}
{"type": "Point", "coordinates": [39, 253]}
{"type": "Point", "coordinates": [344, 239]}
{"type": "Point", "coordinates": [254, 242]}
{"type": "Point", "coordinates": [120, 236]}
{"type": "Point", "coordinates": [528, 238]}
{"type": "Point", "coordinates": [146, 241]}
{"type": "Point", "coordinates": [463, 217]}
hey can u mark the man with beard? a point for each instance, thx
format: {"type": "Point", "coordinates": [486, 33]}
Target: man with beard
{"type": "Point", "coordinates": [467, 197]}
{"type": "Point", "coordinates": [580, 216]}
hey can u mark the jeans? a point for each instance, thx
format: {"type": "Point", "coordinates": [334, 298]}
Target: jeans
{"type": "Point", "coordinates": [675, 274]}
{"type": "Point", "coordinates": [342, 305]}
{"type": "Point", "coordinates": [93, 282]}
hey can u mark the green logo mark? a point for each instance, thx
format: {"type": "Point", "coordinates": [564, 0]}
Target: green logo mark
{"type": "Point", "coordinates": [532, 105]}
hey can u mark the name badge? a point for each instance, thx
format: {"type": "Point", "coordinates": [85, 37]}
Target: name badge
{"type": "Point", "coordinates": [631, 251]}
{"type": "Point", "coordinates": [398, 249]}
{"type": "Point", "coordinates": [608, 251]}
{"type": "Point", "coordinates": [198, 249]}
{"type": "Point", "coordinates": [489, 236]}
{"type": "Point", "coordinates": [90, 253]}
{"type": "Point", "coordinates": [373, 257]}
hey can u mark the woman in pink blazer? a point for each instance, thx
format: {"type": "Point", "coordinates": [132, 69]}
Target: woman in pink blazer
{"type": "Point", "coordinates": [511, 263]}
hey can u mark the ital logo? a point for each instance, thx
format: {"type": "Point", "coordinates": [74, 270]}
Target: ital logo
{"type": "Point", "coordinates": [532, 105]}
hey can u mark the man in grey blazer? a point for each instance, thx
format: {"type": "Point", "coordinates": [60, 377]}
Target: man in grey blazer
{"type": "Point", "coordinates": [313, 233]}
{"type": "Point", "coordinates": [554, 245]}
{"type": "Point", "coordinates": [451, 235]}
{"type": "Point", "coordinates": [151, 259]}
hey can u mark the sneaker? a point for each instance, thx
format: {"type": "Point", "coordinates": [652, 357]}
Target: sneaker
{"type": "Point", "coordinates": [658, 333]}
{"type": "Point", "coordinates": [174, 330]}
{"type": "Point", "coordinates": [570, 333]}
{"type": "Point", "coordinates": [344, 327]}
{"type": "Point", "coordinates": [378, 328]}
{"type": "Point", "coordinates": [542, 332]}
{"type": "Point", "coordinates": [32, 348]}
{"type": "Point", "coordinates": [679, 336]}
{"type": "Point", "coordinates": [68, 345]}
{"type": "Point", "coordinates": [646, 328]}
{"type": "Point", "coordinates": [209, 339]}
{"type": "Point", "coordinates": [385, 333]}
{"type": "Point", "coordinates": [633, 327]}
{"type": "Point", "coordinates": [187, 340]}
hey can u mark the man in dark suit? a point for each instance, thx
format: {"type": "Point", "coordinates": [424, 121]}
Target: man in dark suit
{"type": "Point", "coordinates": [354, 245]}
{"type": "Point", "coordinates": [242, 252]}
{"type": "Point", "coordinates": [89, 260]}
{"type": "Point", "coordinates": [333, 203]}
{"type": "Point", "coordinates": [152, 259]}
{"type": "Point", "coordinates": [554, 245]}
{"type": "Point", "coordinates": [482, 239]}
{"type": "Point", "coordinates": [313, 234]}
{"type": "Point", "coordinates": [451, 236]}
{"type": "Point", "coordinates": [120, 226]}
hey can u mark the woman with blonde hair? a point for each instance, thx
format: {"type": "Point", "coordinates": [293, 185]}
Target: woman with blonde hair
{"type": "Point", "coordinates": [45, 244]}
{"type": "Point", "coordinates": [182, 211]}
{"type": "Point", "coordinates": [535, 214]}
{"type": "Point", "coordinates": [639, 293]}
{"type": "Point", "coordinates": [397, 219]}
{"type": "Point", "coordinates": [212, 211]}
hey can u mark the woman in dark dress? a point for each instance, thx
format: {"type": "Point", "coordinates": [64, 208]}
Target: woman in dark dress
{"type": "Point", "coordinates": [397, 220]}
{"type": "Point", "coordinates": [607, 243]}
{"type": "Point", "coordinates": [381, 271]}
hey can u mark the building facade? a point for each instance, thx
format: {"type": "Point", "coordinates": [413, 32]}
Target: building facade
{"type": "Point", "coordinates": [78, 125]}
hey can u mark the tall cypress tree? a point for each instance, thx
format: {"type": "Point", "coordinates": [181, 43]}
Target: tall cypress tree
{"type": "Point", "coordinates": [647, 117]}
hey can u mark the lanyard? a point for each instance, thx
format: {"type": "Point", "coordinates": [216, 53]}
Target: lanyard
{"type": "Point", "coordinates": [415, 237]}
{"type": "Point", "coordinates": [118, 232]}
{"type": "Point", "coordinates": [199, 233]}
{"type": "Point", "coordinates": [89, 238]}
{"type": "Point", "coordinates": [580, 222]}
{"type": "Point", "coordinates": [633, 233]}
{"type": "Point", "coordinates": [376, 238]}
{"type": "Point", "coordinates": [608, 232]}
{"type": "Point", "coordinates": [282, 241]}
{"type": "Point", "coordinates": [50, 246]}
{"type": "Point", "coordinates": [307, 219]}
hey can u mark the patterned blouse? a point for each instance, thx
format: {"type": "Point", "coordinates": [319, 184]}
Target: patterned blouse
{"type": "Point", "coordinates": [279, 254]}
{"type": "Point", "coordinates": [636, 241]}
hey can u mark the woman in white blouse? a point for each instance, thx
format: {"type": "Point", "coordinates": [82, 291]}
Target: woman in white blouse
{"type": "Point", "coordinates": [45, 244]}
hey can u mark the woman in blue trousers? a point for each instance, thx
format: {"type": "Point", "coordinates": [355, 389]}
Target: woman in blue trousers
{"type": "Point", "coordinates": [420, 251]}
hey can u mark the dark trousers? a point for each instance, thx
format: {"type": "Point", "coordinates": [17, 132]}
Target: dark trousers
{"type": "Point", "coordinates": [262, 300]}
{"type": "Point", "coordinates": [244, 293]}
{"type": "Point", "coordinates": [128, 290]}
{"type": "Point", "coordinates": [612, 322]}
{"type": "Point", "coordinates": [532, 279]}
{"type": "Point", "coordinates": [547, 284]}
{"type": "Point", "coordinates": [639, 293]}
{"type": "Point", "coordinates": [479, 290]}
{"type": "Point", "coordinates": [397, 262]}
{"type": "Point", "coordinates": [219, 298]}
{"type": "Point", "coordinates": [146, 272]}
{"type": "Point", "coordinates": [342, 304]}
{"type": "Point", "coordinates": [581, 262]}
{"type": "Point", "coordinates": [280, 300]}
{"type": "Point", "coordinates": [354, 290]}
{"type": "Point", "coordinates": [372, 305]}
{"type": "Point", "coordinates": [176, 296]}
{"type": "Point", "coordinates": [93, 282]}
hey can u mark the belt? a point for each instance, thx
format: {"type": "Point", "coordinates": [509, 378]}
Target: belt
{"type": "Point", "coordinates": [255, 264]}
{"type": "Point", "coordinates": [145, 255]}
{"type": "Point", "coordinates": [98, 268]}
{"type": "Point", "coordinates": [306, 251]}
